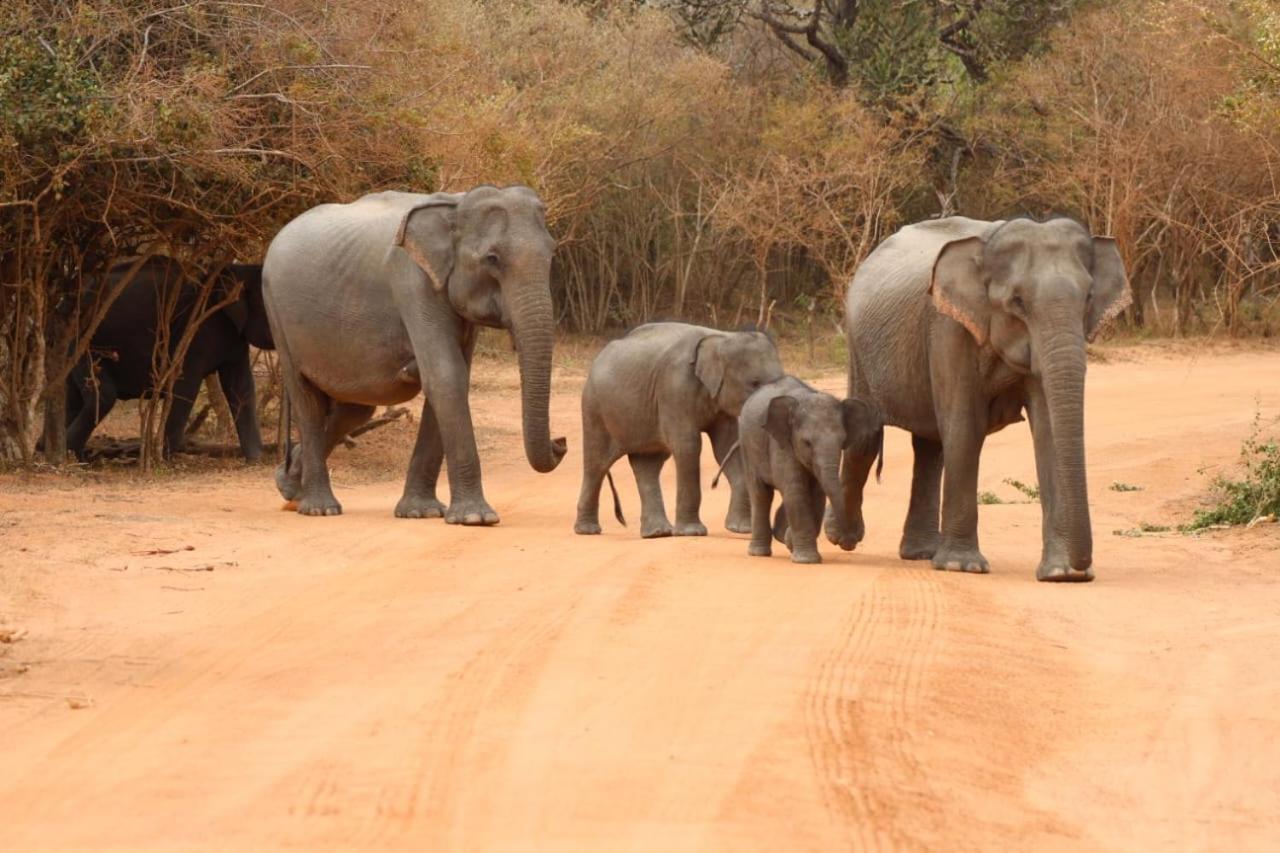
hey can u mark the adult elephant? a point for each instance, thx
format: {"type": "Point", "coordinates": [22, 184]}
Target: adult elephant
{"type": "Point", "coordinates": [120, 361]}
{"type": "Point", "coordinates": [377, 299]}
{"type": "Point", "coordinates": [954, 327]}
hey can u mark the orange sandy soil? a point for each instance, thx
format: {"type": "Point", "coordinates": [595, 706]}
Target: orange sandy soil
{"type": "Point", "coordinates": [370, 682]}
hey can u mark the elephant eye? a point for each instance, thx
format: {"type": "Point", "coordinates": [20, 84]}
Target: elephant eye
{"type": "Point", "coordinates": [1018, 304]}
{"type": "Point", "coordinates": [491, 258]}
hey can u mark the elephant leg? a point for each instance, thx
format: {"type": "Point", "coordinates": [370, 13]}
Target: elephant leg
{"type": "Point", "coordinates": [724, 434]}
{"type": "Point", "coordinates": [185, 391]}
{"type": "Point", "coordinates": [599, 452]}
{"type": "Point", "coordinates": [961, 449]}
{"type": "Point", "coordinates": [97, 396]}
{"type": "Point", "coordinates": [761, 495]}
{"type": "Point", "coordinates": [236, 378]}
{"type": "Point", "coordinates": [446, 376]}
{"type": "Point", "coordinates": [687, 449]}
{"type": "Point", "coordinates": [653, 513]}
{"type": "Point", "coordinates": [1055, 563]}
{"type": "Point", "coordinates": [804, 516]}
{"type": "Point", "coordinates": [920, 533]}
{"type": "Point", "coordinates": [419, 499]}
{"type": "Point", "coordinates": [341, 420]}
{"type": "Point", "coordinates": [312, 408]}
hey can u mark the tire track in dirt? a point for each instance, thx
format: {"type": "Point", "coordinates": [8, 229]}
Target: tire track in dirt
{"type": "Point", "coordinates": [862, 707]}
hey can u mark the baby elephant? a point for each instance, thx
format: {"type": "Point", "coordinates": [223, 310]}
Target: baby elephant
{"type": "Point", "coordinates": [792, 438]}
{"type": "Point", "coordinates": [651, 395]}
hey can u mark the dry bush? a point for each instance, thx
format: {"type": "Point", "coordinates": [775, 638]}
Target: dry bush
{"type": "Point", "coordinates": [705, 182]}
{"type": "Point", "coordinates": [1154, 121]}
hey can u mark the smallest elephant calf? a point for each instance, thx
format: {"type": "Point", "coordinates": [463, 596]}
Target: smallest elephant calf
{"type": "Point", "coordinates": [792, 438]}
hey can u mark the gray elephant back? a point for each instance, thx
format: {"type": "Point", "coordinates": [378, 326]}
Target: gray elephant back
{"type": "Point", "coordinates": [647, 344]}
{"type": "Point", "coordinates": [376, 216]}
{"type": "Point", "coordinates": [905, 260]}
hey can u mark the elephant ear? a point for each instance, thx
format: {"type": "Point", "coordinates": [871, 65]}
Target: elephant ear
{"type": "Point", "coordinates": [708, 363]}
{"type": "Point", "coordinates": [1110, 293]}
{"type": "Point", "coordinates": [862, 426]}
{"type": "Point", "coordinates": [426, 235]}
{"type": "Point", "coordinates": [779, 417]}
{"type": "Point", "coordinates": [958, 288]}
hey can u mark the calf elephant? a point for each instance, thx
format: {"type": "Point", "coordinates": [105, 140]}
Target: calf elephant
{"type": "Point", "coordinates": [954, 327]}
{"type": "Point", "coordinates": [377, 299]}
{"type": "Point", "coordinates": [119, 365]}
{"type": "Point", "coordinates": [792, 437]}
{"type": "Point", "coordinates": [651, 395]}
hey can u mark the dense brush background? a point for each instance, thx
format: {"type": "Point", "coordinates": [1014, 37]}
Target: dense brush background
{"type": "Point", "coordinates": [726, 161]}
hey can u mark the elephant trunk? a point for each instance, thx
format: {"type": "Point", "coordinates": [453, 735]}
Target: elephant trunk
{"type": "Point", "coordinates": [533, 327]}
{"type": "Point", "coordinates": [1063, 379]}
{"type": "Point", "coordinates": [828, 474]}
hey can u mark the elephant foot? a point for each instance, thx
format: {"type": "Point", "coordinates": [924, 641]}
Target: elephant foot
{"type": "Point", "coordinates": [846, 540]}
{"type": "Point", "coordinates": [289, 485]}
{"type": "Point", "coordinates": [471, 512]}
{"type": "Point", "coordinates": [806, 556]}
{"type": "Point", "coordinates": [758, 550]}
{"type": "Point", "coordinates": [586, 527]}
{"type": "Point", "coordinates": [738, 522]}
{"type": "Point", "coordinates": [321, 505]}
{"type": "Point", "coordinates": [961, 560]}
{"type": "Point", "coordinates": [918, 547]}
{"type": "Point", "coordinates": [1057, 572]}
{"type": "Point", "coordinates": [417, 506]}
{"type": "Point", "coordinates": [655, 529]}
{"type": "Point", "coordinates": [691, 528]}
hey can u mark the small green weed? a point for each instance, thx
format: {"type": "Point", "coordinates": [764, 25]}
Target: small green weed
{"type": "Point", "coordinates": [989, 498]}
{"type": "Point", "coordinates": [1257, 491]}
{"type": "Point", "coordinates": [1032, 492]}
{"type": "Point", "coordinates": [1143, 529]}
{"type": "Point", "coordinates": [1118, 486]}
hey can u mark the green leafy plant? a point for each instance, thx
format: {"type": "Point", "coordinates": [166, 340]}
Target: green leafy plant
{"type": "Point", "coordinates": [1118, 486]}
{"type": "Point", "coordinates": [989, 498]}
{"type": "Point", "coordinates": [1255, 493]}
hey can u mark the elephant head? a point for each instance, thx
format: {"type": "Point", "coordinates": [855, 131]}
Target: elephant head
{"type": "Point", "coordinates": [1036, 292]}
{"type": "Point", "coordinates": [489, 252]}
{"type": "Point", "coordinates": [817, 429]}
{"type": "Point", "coordinates": [732, 365]}
{"type": "Point", "coordinates": [248, 312]}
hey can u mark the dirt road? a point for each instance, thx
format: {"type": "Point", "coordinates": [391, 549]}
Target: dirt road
{"type": "Point", "coordinates": [368, 682]}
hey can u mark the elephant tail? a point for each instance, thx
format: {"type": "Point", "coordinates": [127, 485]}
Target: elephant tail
{"type": "Point", "coordinates": [880, 455]}
{"type": "Point", "coordinates": [732, 450]}
{"type": "Point", "coordinates": [288, 426]}
{"type": "Point", "coordinates": [617, 504]}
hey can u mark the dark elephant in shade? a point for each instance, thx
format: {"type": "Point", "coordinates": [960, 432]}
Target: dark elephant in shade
{"type": "Point", "coordinates": [120, 365]}
{"type": "Point", "coordinates": [375, 300]}
{"type": "Point", "coordinates": [954, 327]}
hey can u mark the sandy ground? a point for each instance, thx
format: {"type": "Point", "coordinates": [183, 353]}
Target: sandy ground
{"type": "Point", "coordinates": [369, 682]}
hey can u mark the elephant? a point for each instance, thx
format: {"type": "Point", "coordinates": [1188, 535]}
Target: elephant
{"type": "Point", "coordinates": [374, 300]}
{"type": "Point", "coordinates": [119, 364]}
{"type": "Point", "coordinates": [650, 395]}
{"type": "Point", "coordinates": [954, 327]}
{"type": "Point", "coordinates": [792, 439]}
